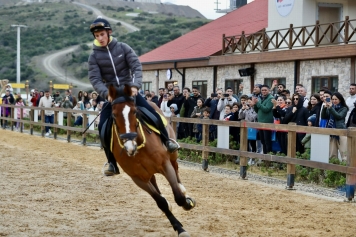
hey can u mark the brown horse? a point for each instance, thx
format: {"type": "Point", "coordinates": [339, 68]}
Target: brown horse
{"type": "Point", "coordinates": [140, 153]}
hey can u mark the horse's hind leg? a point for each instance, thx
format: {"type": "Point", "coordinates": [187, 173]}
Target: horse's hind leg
{"type": "Point", "coordinates": [162, 204]}
{"type": "Point", "coordinates": [154, 183]}
{"type": "Point", "coordinates": [171, 175]}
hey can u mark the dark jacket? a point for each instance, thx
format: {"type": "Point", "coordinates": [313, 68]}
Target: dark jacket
{"type": "Point", "coordinates": [212, 104]}
{"type": "Point", "coordinates": [300, 117]}
{"type": "Point", "coordinates": [279, 112]}
{"type": "Point", "coordinates": [351, 122]}
{"type": "Point", "coordinates": [316, 110]}
{"type": "Point", "coordinates": [178, 100]}
{"type": "Point", "coordinates": [189, 105]}
{"type": "Point", "coordinates": [128, 68]}
{"type": "Point", "coordinates": [338, 114]}
{"type": "Point", "coordinates": [155, 100]}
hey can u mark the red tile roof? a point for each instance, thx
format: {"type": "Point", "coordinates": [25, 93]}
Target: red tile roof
{"type": "Point", "coordinates": [207, 40]}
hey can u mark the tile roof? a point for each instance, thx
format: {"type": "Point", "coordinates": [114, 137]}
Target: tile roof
{"type": "Point", "coordinates": [207, 40]}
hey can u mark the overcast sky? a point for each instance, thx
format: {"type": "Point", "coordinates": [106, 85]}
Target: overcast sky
{"type": "Point", "coordinates": [205, 7]}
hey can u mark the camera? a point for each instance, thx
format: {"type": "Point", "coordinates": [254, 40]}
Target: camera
{"type": "Point", "coordinates": [214, 95]}
{"type": "Point", "coordinates": [226, 95]}
{"type": "Point", "coordinates": [165, 96]}
{"type": "Point", "coordinates": [327, 100]}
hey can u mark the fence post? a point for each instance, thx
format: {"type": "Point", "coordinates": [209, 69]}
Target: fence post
{"type": "Point", "coordinates": [290, 44]}
{"type": "Point", "coordinates": [292, 136]}
{"type": "Point", "coordinates": [21, 117]}
{"type": "Point", "coordinates": [69, 124]}
{"type": "Point", "coordinates": [12, 117]}
{"type": "Point", "coordinates": [42, 121]}
{"type": "Point", "coordinates": [223, 45]}
{"type": "Point", "coordinates": [317, 31]}
{"type": "Point", "coordinates": [351, 162]}
{"type": "Point", "coordinates": [32, 119]}
{"type": "Point", "coordinates": [85, 124]}
{"type": "Point", "coordinates": [205, 142]}
{"type": "Point", "coordinates": [174, 127]}
{"type": "Point", "coordinates": [55, 129]}
{"type": "Point", "coordinates": [243, 147]}
{"type": "Point", "coordinates": [347, 25]}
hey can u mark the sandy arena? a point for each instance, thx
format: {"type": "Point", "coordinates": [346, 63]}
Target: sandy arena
{"type": "Point", "coordinates": [52, 188]}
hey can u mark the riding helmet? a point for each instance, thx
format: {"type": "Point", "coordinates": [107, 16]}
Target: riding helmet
{"type": "Point", "coordinates": [99, 24]}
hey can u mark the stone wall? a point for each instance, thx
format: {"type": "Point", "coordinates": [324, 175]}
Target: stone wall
{"type": "Point", "coordinates": [340, 67]}
{"type": "Point", "coordinates": [200, 74]}
{"type": "Point", "coordinates": [232, 72]}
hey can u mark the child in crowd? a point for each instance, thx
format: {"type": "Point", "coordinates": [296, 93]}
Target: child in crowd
{"type": "Point", "coordinates": [306, 141]}
{"type": "Point", "coordinates": [19, 102]}
{"type": "Point", "coordinates": [228, 113]}
{"type": "Point", "coordinates": [197, 113]}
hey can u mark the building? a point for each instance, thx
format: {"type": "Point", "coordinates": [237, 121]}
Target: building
{"type": "Point", "coordinates": [293, 41]}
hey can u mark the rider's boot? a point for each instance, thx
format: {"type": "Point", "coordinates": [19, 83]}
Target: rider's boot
{"type": "Point", "coordinates": [112, 168]}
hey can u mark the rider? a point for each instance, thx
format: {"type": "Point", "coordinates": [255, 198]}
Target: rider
{"type": "Point", "coordinates": [113, 62]}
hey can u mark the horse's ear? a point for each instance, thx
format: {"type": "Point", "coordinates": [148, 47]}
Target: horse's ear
{"type": "Point", "coordinates": [112, 91]}
{"type": "Point", "coordinates": [127, 90]}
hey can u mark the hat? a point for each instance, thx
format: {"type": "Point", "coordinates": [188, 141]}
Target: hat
{"type": "Point", "coordinates": [33, 90]}
{"type": "Point", "coordinates": [312, 119]}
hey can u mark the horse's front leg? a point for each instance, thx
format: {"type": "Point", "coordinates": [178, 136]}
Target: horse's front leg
{"type": "Point", "coordinates": [171, 174]}
{"type": "Point", "coordinates": [162, 204]}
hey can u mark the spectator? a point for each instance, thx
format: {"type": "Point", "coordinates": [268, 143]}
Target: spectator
{"type": "Point", "coordinates": [257, 91]}
{"type": "Point", "coordinates": [297, 87]}
{"type": "Point", "coordinates": [78, 115]}
{"type": "Point", "coordinates": [86, 98]}
{"type": "Point", "coordinates": [228, 113]}
{"type": "Point", "coordinates": [288, 102]}
{"type": "Point", "coordinates": [212, 103]}
{"type": "Point", "coordinates": [7, 99]}
{"type": "Point", "coordinates": [226, 99]}
{"type": "Point", "coordinates": [160, 93]}
{"type": "Point", "coordinates": [19, 102]}
{"type": "Point", "coordinates": [335, 112]}
{"type": "Point", "coordinates": [285, 93]}
{"type": "Point", "coordinates": [68, 94]}
{"type": "Point", "coordinates": [170, 87]}
{"type": "Point", "coordinates": [35, 98]}
{"type": "Point", "coordinates": [164, 106]}
{"type": "Point", "coordinates": [350, 101]}
{"type": "Point", "coordinates": [240, 92]}
{"type": "Point", "coordinates": [177, 98]}
{"type": "Point", "coordinates": [314, 107]}
{"type": "Point", "coordinates": [148, 97]}
{"type": "Point", "coordinates": [189, 106]}
{"type": "Point", "coordinates": [67, 104]}
{"type": "Point", "coordinates": [351, 122]}
{"type": "Point", "coordinates": [154, 98]}
{"type": "Point", "coordinates": [299, 115]}
{"type": "Point", "coordinates": [197, 113]}
{"type": "Point", "coordinates": [235, 131]}
{"type": "Point", "coordinates": [303, 92]}
{"type": "Point", "coordinates": [306, 142]}
{"type": "Point", "coordinates": [80, 96]}
{"type": "Point", "coordinates": [174, 109]}
{"type": "Point", "coordinates": [46, 102]}
{"type": "Point", "coordinates": [248, 113]}
{"type": "Point", "coordinates": [263, 108]}
{"type": "Point", "coordinates": [42, 93]}
{"type": "Point", "coordinates": [279, 112]}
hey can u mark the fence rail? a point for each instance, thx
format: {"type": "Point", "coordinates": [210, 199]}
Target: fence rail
{"type": "Point", "coordinates": [290, 159]}
{"type": "Point", "coordinates": [335, 33]}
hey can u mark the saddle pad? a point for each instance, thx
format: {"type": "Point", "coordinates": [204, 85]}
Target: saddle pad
{"type": "Point", "coordinates": [153, 128]}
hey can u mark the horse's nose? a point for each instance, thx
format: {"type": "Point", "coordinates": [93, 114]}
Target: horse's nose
{"type": "Point", "coordinates": [130, 147]}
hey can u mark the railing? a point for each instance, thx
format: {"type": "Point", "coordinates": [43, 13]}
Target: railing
{"type": "Point", "coordinates": [342, 32]}
{"type": "Point", "coordinates": [68, 127]}
{"type": "Point", "coordinates": [290, 159]}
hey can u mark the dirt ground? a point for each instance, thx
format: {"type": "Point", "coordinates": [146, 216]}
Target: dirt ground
{"type": "Point", "coordinates": [53, 188]}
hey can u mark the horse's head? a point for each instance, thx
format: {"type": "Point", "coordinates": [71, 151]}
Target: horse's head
{"type": "Point", "coordinates": [124, 116]}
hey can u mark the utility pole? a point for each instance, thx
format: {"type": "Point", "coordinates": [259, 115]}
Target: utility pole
{"type": "Point", "coordinates": [18, 73]}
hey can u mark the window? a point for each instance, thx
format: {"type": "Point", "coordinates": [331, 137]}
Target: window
{"type": "Point", "coordinates": [269, 81]}
{"type": "Point", "coordinates": [202, 86]}
{"type": "Point", "coordinates": [330, 82]}
{"type": "Point", "coordinates": [146, 86]}
{"type": "Point", "coordinates": [234, 84]}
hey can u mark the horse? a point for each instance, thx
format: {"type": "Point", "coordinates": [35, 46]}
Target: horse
{"type": "Point", "coordinates": [140, 154]}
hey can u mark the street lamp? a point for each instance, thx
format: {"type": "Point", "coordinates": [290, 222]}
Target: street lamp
{"type": "Point", "coordinates": [18, 73]}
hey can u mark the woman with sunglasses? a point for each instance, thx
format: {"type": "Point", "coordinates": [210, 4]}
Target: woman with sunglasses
{"type": "Point", "coordinates": [115, 63]}
{"type": "Point", "coordinates": [314, 107]}
{"type": "Point", "coordinates": [299, 115]}
{"type": "Point", "coordinates": [335, 111]}
{"type": "Point", "coordinates": [279, 112]}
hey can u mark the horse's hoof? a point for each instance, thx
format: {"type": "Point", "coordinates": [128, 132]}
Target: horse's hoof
{"type": "Point", "coordinates": [184, 234]}
{"type": "Point", "coordinates": [190, 203]}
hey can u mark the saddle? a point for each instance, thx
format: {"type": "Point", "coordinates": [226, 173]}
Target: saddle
{"type": "Point", "coordinates": [146, 117]}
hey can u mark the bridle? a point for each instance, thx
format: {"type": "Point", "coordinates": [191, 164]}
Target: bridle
{"type": "Point", "coordinates": [123, 138]}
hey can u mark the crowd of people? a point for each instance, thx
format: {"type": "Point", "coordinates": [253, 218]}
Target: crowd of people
{"type": "Point", "coordinates": [265, 104]}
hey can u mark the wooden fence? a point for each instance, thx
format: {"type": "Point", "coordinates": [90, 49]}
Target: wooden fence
{"type": "Point", "coordinates": [342, 32]}
{"type": "Point", "coordinates": [290, 159]}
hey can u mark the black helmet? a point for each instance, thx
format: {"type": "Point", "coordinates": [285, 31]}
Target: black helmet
{"type": "Point", "coordinates": [99, 24]}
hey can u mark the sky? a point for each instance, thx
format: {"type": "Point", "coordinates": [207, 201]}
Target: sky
{"type": "Point", "coordinates": [205, 7]}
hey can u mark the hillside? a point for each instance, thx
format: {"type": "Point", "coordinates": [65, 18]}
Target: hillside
{"type": "Point", "coordinates": [57, 25]}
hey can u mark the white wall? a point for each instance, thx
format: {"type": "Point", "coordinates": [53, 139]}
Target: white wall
{"type": "Point", "coordinates": [276, 21]}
